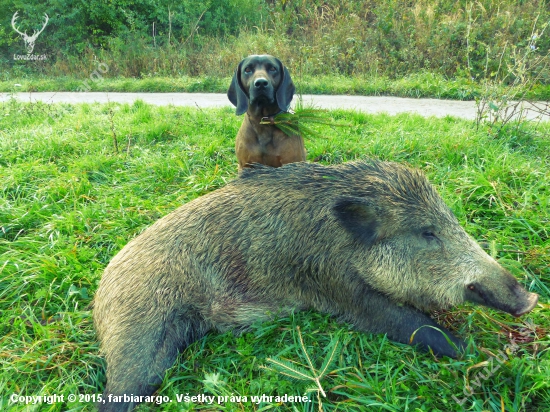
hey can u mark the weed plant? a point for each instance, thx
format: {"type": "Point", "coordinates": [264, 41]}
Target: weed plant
{"type": "Point", "coordinates": [505, 91]}
{"type": "Point", "coordinates": [69, 202]}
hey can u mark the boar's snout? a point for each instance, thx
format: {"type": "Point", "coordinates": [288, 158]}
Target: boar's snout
{"type": "Point", "coordinates": [502, 291]}
{"type": "Point", "coordinates": [531, 302]}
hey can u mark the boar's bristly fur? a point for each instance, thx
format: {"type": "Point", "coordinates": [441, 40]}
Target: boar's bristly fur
{"type": "Point", "coordinates": [371, 243]}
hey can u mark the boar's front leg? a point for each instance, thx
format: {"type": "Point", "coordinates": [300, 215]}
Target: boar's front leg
{"type": "Point", "coordinates": [379, 314]}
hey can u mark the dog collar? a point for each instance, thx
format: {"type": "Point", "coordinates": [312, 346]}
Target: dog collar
{"type": "Point", "coordinates": [271, 117]}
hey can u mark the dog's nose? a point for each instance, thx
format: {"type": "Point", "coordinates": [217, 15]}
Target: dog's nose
{"type": "Point", "coordinates": [260, 83]}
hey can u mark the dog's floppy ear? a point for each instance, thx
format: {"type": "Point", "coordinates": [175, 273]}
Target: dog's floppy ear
{"type": "Point", "coordinates": [236, 94]}
{"type": "Point", "coordinates": [286, 89]}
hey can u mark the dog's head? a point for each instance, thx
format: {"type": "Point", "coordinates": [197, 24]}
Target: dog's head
{"type": "Point", "coordinates": [261, 81]}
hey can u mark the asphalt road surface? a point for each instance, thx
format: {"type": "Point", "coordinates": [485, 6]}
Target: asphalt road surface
{"type": "Point", "coordinates": [366, 104]}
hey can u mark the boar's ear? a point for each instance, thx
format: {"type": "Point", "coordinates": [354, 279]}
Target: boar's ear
{"type": "Point", "coordinates": [358, 217]}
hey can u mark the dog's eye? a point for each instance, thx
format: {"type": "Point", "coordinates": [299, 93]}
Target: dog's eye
{"type": "Point", "coordinates": [273, 69]}
{"type": "Point", "coordinates": [247, 70]}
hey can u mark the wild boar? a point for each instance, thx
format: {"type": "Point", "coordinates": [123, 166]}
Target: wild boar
{"type": "Point", "coordinates": [371, 243]}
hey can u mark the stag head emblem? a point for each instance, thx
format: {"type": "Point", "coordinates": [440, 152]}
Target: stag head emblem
{"type": "Point", "coordinates": [29, 40]}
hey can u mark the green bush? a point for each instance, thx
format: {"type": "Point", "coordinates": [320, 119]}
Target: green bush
{"type": "Point", "coordinates": [192, 37]}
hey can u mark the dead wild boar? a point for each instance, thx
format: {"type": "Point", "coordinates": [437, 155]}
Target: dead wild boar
{"type": "Point", "coordinates": [371, 243]}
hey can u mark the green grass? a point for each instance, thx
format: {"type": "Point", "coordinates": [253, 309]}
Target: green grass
{"type": "Point", "coordinates": [418, 85]}
{"type": "Point", "coordinates": [69, 202]}
{"type": "Point", "coordinates": [146, 85]}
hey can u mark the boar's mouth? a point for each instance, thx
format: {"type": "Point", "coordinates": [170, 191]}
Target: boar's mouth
{"type": "Point", "coordinates": [511, 298]}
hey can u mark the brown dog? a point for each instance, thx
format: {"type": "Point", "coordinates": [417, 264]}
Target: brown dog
{"type": "Point", "coordinates": [262, 88]}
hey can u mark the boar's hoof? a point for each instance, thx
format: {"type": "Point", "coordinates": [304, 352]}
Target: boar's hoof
{"type": "Point", "coordinates": [440, 341]}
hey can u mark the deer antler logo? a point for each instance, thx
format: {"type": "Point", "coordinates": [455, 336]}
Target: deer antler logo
{"type": "Point", "coordinates": [29, 40]}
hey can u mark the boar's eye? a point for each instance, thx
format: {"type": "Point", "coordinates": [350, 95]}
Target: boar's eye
{"type": "Point", "coordinates": [429, 235]}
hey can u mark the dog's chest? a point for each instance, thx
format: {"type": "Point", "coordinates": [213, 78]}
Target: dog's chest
{"type": "Point", "coordinates": [266, 139]}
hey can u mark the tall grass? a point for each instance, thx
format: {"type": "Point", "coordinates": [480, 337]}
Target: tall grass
{"type": "Point", "coordinates": [358, 39]}
{"type": "Point", "coordinates": [69, 202]}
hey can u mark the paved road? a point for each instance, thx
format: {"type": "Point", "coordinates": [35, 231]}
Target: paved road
{"type": "Point", "coordinates": [367, 104]}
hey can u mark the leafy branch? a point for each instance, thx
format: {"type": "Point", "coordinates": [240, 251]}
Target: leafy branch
{"type": "Point", "coordinates": [300, 122]}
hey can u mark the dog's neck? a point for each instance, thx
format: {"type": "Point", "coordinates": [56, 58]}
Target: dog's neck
{"type": "Point", "coordinates": [265, 113]}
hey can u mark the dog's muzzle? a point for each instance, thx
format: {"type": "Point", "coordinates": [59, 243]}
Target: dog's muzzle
{"type": "Point", "coordinates": [261, 92]}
